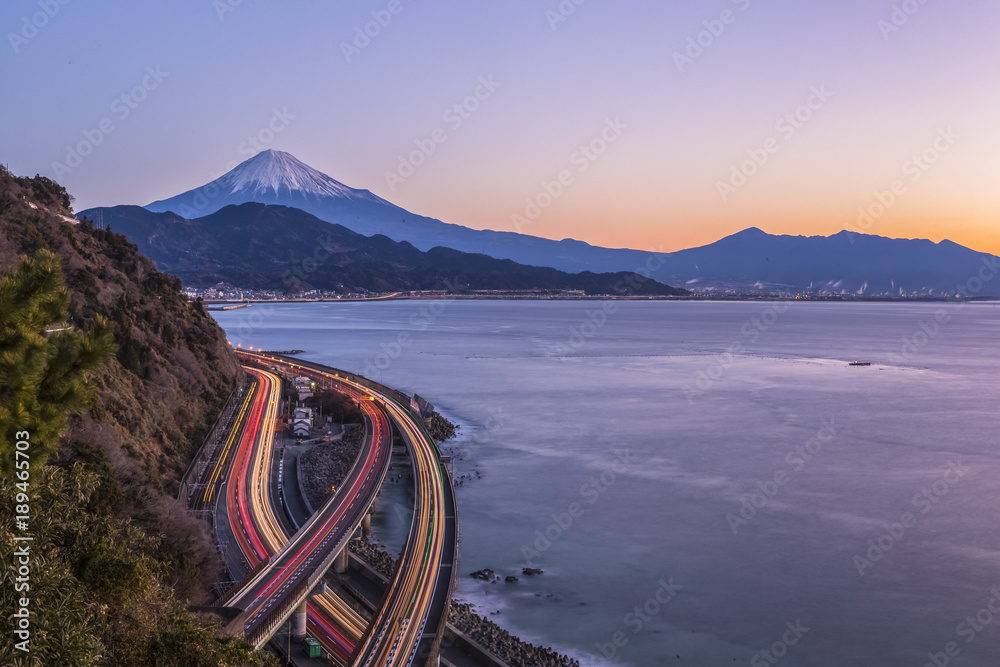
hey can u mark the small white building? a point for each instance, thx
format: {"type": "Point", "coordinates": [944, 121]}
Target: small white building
{"type": "Point", "coordinates": [302, 419]}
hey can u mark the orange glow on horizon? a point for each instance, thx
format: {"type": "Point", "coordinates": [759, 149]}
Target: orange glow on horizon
{"type": "Point", "coordinates": [976, 235]}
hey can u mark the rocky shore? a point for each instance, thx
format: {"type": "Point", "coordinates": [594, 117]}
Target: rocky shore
{"type": "Point", "coordinates": [328, 463]}
{"type": "Point", "coordinates": [376, 558]}
{"type": "Point", "coordinates": [507, 647]}
{"type": "Point", "coordinates": [486, 633]}
{"type": "Point", "coordinates": [441, 429]}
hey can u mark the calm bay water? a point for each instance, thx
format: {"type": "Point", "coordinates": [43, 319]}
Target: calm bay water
{"type": "Point", "coordinates": [723, 457]}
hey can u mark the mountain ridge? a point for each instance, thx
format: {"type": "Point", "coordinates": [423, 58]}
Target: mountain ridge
{"type": "Point", "coordinates": [258, 246]}
{"type": "Point", "coordinates": [844, 263]}
{"type": "Point", "coordinates": [270, 171]}
{"type": "Point", "coordinates": [750, 260]}
{"type": "Point", "coordinates": [368, 214]}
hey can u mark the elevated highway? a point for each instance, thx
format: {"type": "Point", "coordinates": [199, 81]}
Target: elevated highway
{"type": "Point", "coordinates": [409, 624]}
{"type": "Point", "coordinates": [249, 520]}
{"type": "Point", "coordinates": [283, 572]}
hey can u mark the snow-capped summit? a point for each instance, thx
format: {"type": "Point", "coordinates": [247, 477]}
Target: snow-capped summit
{"type": "Point", "coordinates": [277, 171]}
{"type": "Point", "coordinates": [270, 177]}
{"type": "Point", "coordinates": [277, 178]}
{"type": "Point", "coordinates": [844, 263]}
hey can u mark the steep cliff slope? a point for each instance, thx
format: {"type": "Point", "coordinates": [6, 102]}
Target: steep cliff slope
{"type": "Point", "coordinates": [117, 558]}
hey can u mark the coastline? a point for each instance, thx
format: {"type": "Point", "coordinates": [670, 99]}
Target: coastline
{"type": "Point", "coordinates": [501, 642]}
{"type": "Point", "coordinates": [330, 463]}
{"type": "Point", "coordinates": [472, 607]}
{"type": "Point", "coordinates": [832, 298]}
{"type": "Point", "coordinates": [468, 371]}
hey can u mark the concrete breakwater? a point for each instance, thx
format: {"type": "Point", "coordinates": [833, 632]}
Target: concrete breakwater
{"type": "Point", "coordinates": [509, 648]}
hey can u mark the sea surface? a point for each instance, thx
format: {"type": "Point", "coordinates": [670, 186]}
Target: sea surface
{"type": "Point", "coordinates": [702, 482]}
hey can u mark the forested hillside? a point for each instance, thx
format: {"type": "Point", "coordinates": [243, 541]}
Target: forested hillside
{"type": "Point", "coordinates": [117, 377]}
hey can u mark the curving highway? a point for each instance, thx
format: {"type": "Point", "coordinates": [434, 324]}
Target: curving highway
{"type": "Point", "coordinates": [215, 474]}
{"type": "Point", "coordinates": [259, 532]}
{"type": "Point", "coordinates": [285, 571]}
{"type": "Point", "coordinates": [238, 471]}
{"type": "Point", "coordinates": [399, 625]}
{"type": "Point", "coordinates": [414, 609]}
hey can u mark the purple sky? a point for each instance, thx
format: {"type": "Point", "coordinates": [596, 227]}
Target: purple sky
{"type": "Point", "coordinates": [680, 169]}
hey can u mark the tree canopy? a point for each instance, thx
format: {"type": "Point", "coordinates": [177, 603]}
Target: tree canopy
{"type": "Point", "coordinates": [45, 361]}
{"type": "Point", "coordinates": [98, 589]}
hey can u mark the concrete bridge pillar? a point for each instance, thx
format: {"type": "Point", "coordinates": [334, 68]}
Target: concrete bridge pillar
{"type": "Point", "coordinates": [341, 563]}
{"type": "Point", "coordinates": [299, 623]}
{"type": "Point", "coordinates": [366, 524]}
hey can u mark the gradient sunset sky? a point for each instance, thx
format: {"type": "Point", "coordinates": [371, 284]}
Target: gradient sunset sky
{"type": "Point", "coordinates": [897, 85]}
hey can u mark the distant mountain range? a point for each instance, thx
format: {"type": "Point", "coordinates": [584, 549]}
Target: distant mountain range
{"type": "Point", "coordinates": [258, 246]}
{"type": "Point", "coordinates": [275, 177]}
{"type": "Point", "coordinates": [844, 263]}
{"type": "Point", "coordinates": [750, 261]}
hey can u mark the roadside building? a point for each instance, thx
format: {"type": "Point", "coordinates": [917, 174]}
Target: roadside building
{"type": "Point", "coordinates": [301, 422]}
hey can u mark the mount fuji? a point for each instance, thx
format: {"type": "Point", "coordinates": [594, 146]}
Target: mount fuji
{"type": "Point", "coordinates": [279, 178]}
{"type": "Point", "coordinates": [749, 261]}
